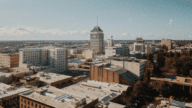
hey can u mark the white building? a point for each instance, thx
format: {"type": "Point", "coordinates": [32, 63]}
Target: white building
{"type": "Point", "coordinates": [135, 66]}
{"type": "Point", "coordinates": [121, 51]}
{"type": "Point", "coordinates": [52, 56]}
{"type": "Point", "coordinates": [57, 58]}
{"type": "Point", "coordinates": [109, 42]}
{"type": "Point", "coordinates": [87, 54]}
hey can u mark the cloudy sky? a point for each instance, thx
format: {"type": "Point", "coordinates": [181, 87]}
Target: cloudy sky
{"type": "Point", "coordinates": [74, 19]}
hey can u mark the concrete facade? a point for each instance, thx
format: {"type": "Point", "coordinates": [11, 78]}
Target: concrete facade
{"type": "Point", "coordinates": [51, 56]}
{"type": "Point", "coordinates": [167, 42]}
{"type": "Point", "coordinates": [149, 49]}
{"type": "Point", "coordinates": [9, 60]}
{"type": "Point", "coordinates": [121, 51]}
{"type": "Point", "coordinates": [97, 40]}
{"type": "Point", "coordinates": [109, 42]}
{"type": "Point", "coordinates": [87, 54]}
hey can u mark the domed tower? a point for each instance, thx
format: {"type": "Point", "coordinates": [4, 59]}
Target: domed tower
{"type": "Point", "coordinates": [97, 40]}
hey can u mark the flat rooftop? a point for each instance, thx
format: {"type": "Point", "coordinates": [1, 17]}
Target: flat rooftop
{"type": "Point", "coordinates": [7, 90]}
{"type": "Point", "coordinates": [95, 89]}
{"type": "Point", "coordinates": [55, 97]}
{"type": "Point", "coordinates": [50, 77]}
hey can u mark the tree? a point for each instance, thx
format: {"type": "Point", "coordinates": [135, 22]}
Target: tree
{"type": "Point", "coordinates": [160, 60]}
{"type": "Point", "coordinates": [157, 71]}
{"type": "Point", "coordinates": [190, 52]}
{"type": "Point", "coordinates": [150, 57]}
{"type": "Point", "coordinates": [146, 78]}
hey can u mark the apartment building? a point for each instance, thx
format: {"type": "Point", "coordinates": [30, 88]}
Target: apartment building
{"type": "Point", "coordinates": [9, 60]}
{"type": "Point", "coordinates": [121, 51]}
{"type": "Point", "coordinates": [167, 42]}
{"type": "Point", "coordinates": [57, 58]}
{"type": "Point", "coordinates": [51, 56]}
{"type": "Point", "coordinates": [51, 97]}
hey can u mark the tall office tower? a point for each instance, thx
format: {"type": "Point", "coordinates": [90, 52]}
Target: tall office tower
{"type": "Point", "coordinates": [97, 40]}
{"type": "Point", "coordinates": [139, 45]}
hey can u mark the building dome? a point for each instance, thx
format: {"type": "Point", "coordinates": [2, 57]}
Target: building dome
{"type": "Point", "coordinates": [96, 29]}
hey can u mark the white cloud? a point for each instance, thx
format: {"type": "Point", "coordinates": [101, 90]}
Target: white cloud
{"type": "Point", "coordinates": [170, 21]}
{"type": "Point", "coordinates": [124, 34]}
{"type": "Point", "coordinates": [34, 32]}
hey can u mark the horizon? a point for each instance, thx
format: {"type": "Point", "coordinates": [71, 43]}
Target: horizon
{"type": "Point", "coordinates": [74, 19]}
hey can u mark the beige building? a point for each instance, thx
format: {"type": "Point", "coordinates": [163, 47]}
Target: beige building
{"type": "Point", "coordinates": [9, 95]}
{"type": "Point", "coordinates": [9, 60]}
{"type": "Point", "coordinates": [135, 66]}
{"type": "Point", "coordinates": [167, 42]}
{"type": "Point", "coordinates": [97, 40]}
{"type": "Point", "coordinates": [51, 97]}
{"type": "Point", "coordinates": [109, 42]}
{"type": "Point", "coordinates": [121, 51]}
{"type": "Point", "coordinates": [51, 56]}
{"type": "Point", "coordinates": [87, 54]}
{"type": "Point", "coordinates": [149, 49]}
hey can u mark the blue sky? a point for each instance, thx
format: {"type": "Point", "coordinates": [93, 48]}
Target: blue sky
{"type": "Point", "coordinates": [74, 19]}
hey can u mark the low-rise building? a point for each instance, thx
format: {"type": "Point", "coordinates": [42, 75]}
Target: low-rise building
{"type": "Point", "coordinates": [121, 51]}
{"type": "Point", "coordinates": [53, 79]}
{"type": "Point", "coordinates": [135, 66]}
{"type": "Point", "coordinates": [103, 91]}
{"type": "Point", "coordinates": [9, 95]}
{"type": "Point", "coordinates": [111, 74]}
{"type": "Point", "coordinates": [5, 75]}
{"type": "Point", "coordinates": [87, 54]}
{"type": "Point", "coordinates": [51, 97]}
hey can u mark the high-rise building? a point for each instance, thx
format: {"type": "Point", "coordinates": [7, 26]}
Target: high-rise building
{"type": "Point", "coordinates": [97, 40]}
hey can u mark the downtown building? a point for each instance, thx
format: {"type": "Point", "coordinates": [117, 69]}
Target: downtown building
{"type": "Point", "coordinates": [97, 40]}
{"type": "Point", "coordinates": [47, 56]}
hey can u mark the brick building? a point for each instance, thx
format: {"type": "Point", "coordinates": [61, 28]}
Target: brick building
{"type": "Point", "coordinates": [51, 97]}
{"type": "Point", "coordinates": [9, 95]}
{"type": "Point", "coordinates": [9, 60]}
{"type": "Point", "coordinates": [111, 74]}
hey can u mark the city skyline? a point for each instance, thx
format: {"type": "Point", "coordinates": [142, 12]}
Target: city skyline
{"type": "Point", "coordinates": [74, 19]}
